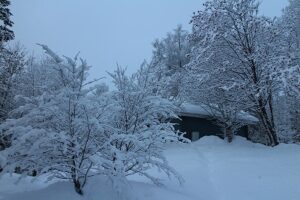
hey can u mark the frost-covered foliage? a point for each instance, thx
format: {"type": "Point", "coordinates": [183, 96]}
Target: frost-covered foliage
{"type": "Point", "coordinates": [141, 127]}
{"type": "Point", "coordinates": [222, 104]}
{"type": "Point", "coordinates": [57, 132]}
{"type": "Point", "coordinates": [6, 33]}
{"type": "Point", "coordinates": [38, 76]}
{"type": "Point", "coordinates": [69, 129]}
{"type": "Point", "coordinates": [239, 49]}
{"type": "Point", "coordinates": [12, 62]}
{"type": "Point", "coordinates": [288, 103]}
{"type": "Point", "coordinates": [170, 55]}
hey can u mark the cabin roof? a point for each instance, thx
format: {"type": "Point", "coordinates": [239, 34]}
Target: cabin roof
{"type": "Point", "coordinates": [203, 111]}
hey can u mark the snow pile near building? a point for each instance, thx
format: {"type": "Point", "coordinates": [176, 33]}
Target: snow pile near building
{"type": "Point", "coordinates": [212, 169]}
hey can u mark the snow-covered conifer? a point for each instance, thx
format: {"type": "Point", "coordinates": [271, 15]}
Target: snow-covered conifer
{"type": "Point", "coordinates": [6, 33]}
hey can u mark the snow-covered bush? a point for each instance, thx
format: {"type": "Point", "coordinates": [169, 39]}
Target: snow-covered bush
{"type": "Point", "coordinates": [141, 127]}
{"type": "Point", "coordinates": [74, 131]}
{"type": "Point", "coordinates": [57, 132]}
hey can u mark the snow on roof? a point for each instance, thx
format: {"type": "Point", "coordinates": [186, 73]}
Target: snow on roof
{"type": "Point", "coordinates": [200, 111]}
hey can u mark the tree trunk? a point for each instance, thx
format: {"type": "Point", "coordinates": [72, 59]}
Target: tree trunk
{"type": "Point", "coordinates": [77, 186]}
{"type": "Point", "coordinates": [229, 134]}
{"type": "Point", "coordinates": [267, 121]}
{"type": "Point", "coordinates": [268, 125]}
{"type": "Point", "coordinates": [76, 181]}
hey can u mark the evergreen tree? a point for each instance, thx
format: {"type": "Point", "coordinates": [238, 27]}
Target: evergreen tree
{"type": "Point", "coordinates": [6, 33]}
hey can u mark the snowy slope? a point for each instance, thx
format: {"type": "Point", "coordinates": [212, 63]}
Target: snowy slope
{"type": "Point", "coordinates": [212, 169]}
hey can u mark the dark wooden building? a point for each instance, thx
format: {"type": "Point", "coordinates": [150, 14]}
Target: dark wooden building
{"type": "Point", "coordinates": [197, 122]}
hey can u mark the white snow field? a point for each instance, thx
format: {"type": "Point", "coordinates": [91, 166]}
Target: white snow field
{"type": "Point", "coordinates": [212, 169]}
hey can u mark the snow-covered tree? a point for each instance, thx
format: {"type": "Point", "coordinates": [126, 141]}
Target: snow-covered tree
{"type": "Point", "coordinates": [57, 132]}
{"type": "Point", "coordinates": [291, 21]}
{"type": "Point", "coordinates": [70, 129]}
{"type": "Point", "coordinates": [6, 33]}
{"type": "Point", "coordinates": [287, 95]}
{"type": "Point", "coordinates": [237, 46]}
{"type": "Point", "coordinates": [223, 105]}
{"type": "Point", "coordinates": [38, 77]}
{"type": "Point", "coordinates": [170, 55]}
{"type": "Point", "coordinates": [12, 62]}
{"type": "Point", "coordinates": [141, 127]}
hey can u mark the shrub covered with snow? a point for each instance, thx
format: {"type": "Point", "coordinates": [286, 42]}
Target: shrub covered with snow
{"type": "Point", "coordinates": [141, 127]}
{"type": "Point", "coordinates": [75, 131]}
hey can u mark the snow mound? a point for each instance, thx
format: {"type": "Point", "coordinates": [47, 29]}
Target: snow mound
{"type": "Point", "coordinates": [62, 190]}
{"type": "Point", "coordinates": [56, 191]}
{"type": "Point", "coordinates": [217, 141]}
{"type": "Point", "coordinates": [210, 140]}
{"type": "Point", "coordinates": [243, 142]}
{"type": "Point", "coordinates": [13, 184]}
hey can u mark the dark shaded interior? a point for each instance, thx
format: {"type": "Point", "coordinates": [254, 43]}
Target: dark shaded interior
{"type": "Point", "coordinates": [203, 127]}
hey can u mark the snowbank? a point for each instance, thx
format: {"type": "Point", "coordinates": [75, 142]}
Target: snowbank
{"type": "Point", "coordinates": [217, 141]}
{"type": "Point", "coordinates": [212, 169]}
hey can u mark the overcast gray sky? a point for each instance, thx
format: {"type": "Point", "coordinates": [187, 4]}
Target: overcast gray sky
{"type": "Point", "coordinates": [106, 32]}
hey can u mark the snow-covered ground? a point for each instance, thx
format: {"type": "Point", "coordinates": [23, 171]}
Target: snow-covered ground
{"type": "Point", "coordinates": [212, 169]}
